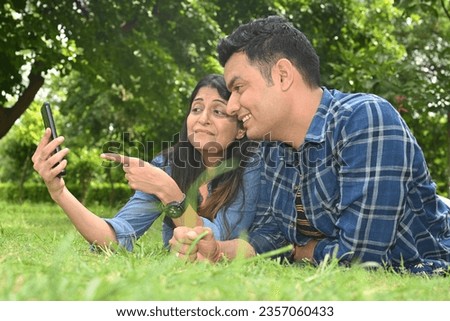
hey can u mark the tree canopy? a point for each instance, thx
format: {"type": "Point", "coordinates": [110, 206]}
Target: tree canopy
{"type": "Point", "coordinates": [121, 71]}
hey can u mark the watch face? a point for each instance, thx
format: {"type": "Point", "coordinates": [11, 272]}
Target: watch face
{"type": "Point", "coordinates": [173, 211]}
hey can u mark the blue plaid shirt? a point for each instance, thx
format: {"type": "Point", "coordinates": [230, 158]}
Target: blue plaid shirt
{"type": "Point", "coordinates": [364, 185]}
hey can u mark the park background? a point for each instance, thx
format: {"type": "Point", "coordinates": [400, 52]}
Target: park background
{"type": "Point", "coordinates": [118, 74]}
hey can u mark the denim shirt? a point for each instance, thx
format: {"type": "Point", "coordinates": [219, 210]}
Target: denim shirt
{"type": "Point", "coordinates": [364, 184]}
{"type": "Point", "coordinates": [141, 211]}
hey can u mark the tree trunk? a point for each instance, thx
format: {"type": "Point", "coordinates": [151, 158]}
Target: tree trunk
{"type": "Point", "coordinates": [8, 116]}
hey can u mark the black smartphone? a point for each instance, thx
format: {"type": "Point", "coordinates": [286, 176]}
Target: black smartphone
{"type": "Point", "coordinates": [49, 122]}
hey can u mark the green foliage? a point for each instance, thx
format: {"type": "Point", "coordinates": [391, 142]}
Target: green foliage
{"type": "Point", "coordinates": [18, 147]}
{"type": "Point", "coordinates": [18, 193]}
{"type": "Point", "coordinates": [84, 163]}
{"type": "Point", "coordinates": [107, 194]}
{"type": "Point", "coordinates": [85, 172]}
{"type": "Point", "coordinates": [425, 79]}
{"type": "Point", "coordinates": [44, 258]}
{"type": "Point", "coordinates": [120, 72]}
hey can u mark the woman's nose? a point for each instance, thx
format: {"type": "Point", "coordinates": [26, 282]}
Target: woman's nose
{"type": "Point", "coordinates": [204, 117]}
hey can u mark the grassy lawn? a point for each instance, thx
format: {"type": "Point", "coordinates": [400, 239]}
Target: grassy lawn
{"type": "Point", "coordinates": [42, 257]}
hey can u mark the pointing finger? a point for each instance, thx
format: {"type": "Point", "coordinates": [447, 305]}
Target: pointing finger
{"type": "Point", "coordinates": [115, 157]}
{"type": "Point", "coordinates": [125, 160]}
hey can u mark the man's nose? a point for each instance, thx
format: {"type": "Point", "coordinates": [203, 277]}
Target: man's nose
{"type": "Point", "coordinates": [233, 105]}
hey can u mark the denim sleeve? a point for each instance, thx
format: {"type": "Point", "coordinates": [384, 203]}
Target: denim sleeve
{"type": "Point", "coordinates": [140, 212]}
{"type": "Point", "coordinates": [135, 218]}
{"type": "Point", "coordinates": [234, 220]}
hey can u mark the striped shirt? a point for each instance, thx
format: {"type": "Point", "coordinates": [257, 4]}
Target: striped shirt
{"type": "Point", "coordinates": [302, 224]}
{"type": "Point", "coordinates": [365, 187]}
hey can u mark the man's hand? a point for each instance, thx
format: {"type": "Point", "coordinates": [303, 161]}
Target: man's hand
{"type": "Point", "coordinates": [185, 244]}
{"type": "Point", "coordinates": [305, 252]}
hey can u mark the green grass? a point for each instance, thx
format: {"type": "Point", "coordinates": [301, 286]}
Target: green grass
{"type": "Point", "coordinates": [42, 257]}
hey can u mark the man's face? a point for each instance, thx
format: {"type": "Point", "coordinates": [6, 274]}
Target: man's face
{"type": "Point", "coordinates": [252, 99]}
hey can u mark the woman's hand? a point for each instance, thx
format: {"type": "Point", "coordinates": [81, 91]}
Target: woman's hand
{"type": "Point", "coordinates": [49, 166]}
{"type": "Point", "coordinates": [147, 178]}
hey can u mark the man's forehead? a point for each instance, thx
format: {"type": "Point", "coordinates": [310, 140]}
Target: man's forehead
{"type": "Point", "coordinates": [233, 66]}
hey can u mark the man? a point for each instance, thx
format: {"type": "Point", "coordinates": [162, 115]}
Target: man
{"type": "Point", "coordinates": [348, 180]}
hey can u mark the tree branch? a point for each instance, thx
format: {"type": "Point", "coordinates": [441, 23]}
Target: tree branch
{"type": "Point", "coordinates": [8, 116]}
{"type": "Point", "coordinates": [445, 9]}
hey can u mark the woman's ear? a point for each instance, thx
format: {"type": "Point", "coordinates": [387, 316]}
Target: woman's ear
{"type": "Point", "coordinates": [240, 133]}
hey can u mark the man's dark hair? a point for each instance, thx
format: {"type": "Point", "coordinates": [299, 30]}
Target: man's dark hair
{"type": "Point", "coordinates": [267, 40]}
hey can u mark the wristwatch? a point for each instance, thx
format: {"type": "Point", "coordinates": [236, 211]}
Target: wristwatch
{"type": "Point", "coordinates": [174, 209]}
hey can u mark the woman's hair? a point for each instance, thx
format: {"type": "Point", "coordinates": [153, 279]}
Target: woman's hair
{"type": "Point", "coordinates": [267, 40]}
{"type": "Point", "coordinates": [187, 165]}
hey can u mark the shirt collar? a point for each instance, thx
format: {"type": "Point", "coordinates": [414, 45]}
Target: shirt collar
{"type": "Point", "coordinates": [283, 152]}
{"type": "Point", "coordinates": [317, 129]}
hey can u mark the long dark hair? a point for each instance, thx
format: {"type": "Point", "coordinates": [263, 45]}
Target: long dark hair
{"type": "Point", "coordinates": [187, 165]}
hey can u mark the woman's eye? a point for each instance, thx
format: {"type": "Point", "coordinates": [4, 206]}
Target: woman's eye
{"type": "Point", "coordinates": [196, 109]}
{"type": "Point", "coordinates": [221, 113]}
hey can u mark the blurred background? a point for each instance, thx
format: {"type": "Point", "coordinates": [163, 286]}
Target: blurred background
{"type": "Point", "coordinates": [118, 75]}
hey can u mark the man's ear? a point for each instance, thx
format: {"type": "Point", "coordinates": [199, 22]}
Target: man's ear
{"type": "Point", "coordinates": [284, 71]}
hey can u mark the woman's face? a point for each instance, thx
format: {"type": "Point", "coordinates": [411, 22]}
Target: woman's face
{"type": "Point", "coordinates": [210, 129]}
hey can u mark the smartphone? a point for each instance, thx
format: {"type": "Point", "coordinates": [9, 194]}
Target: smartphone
{"type": "Point", "coordinates": [49, 122]}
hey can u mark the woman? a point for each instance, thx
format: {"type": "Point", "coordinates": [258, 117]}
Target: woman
{"type": "Point", "coordinates": [209, 137]}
